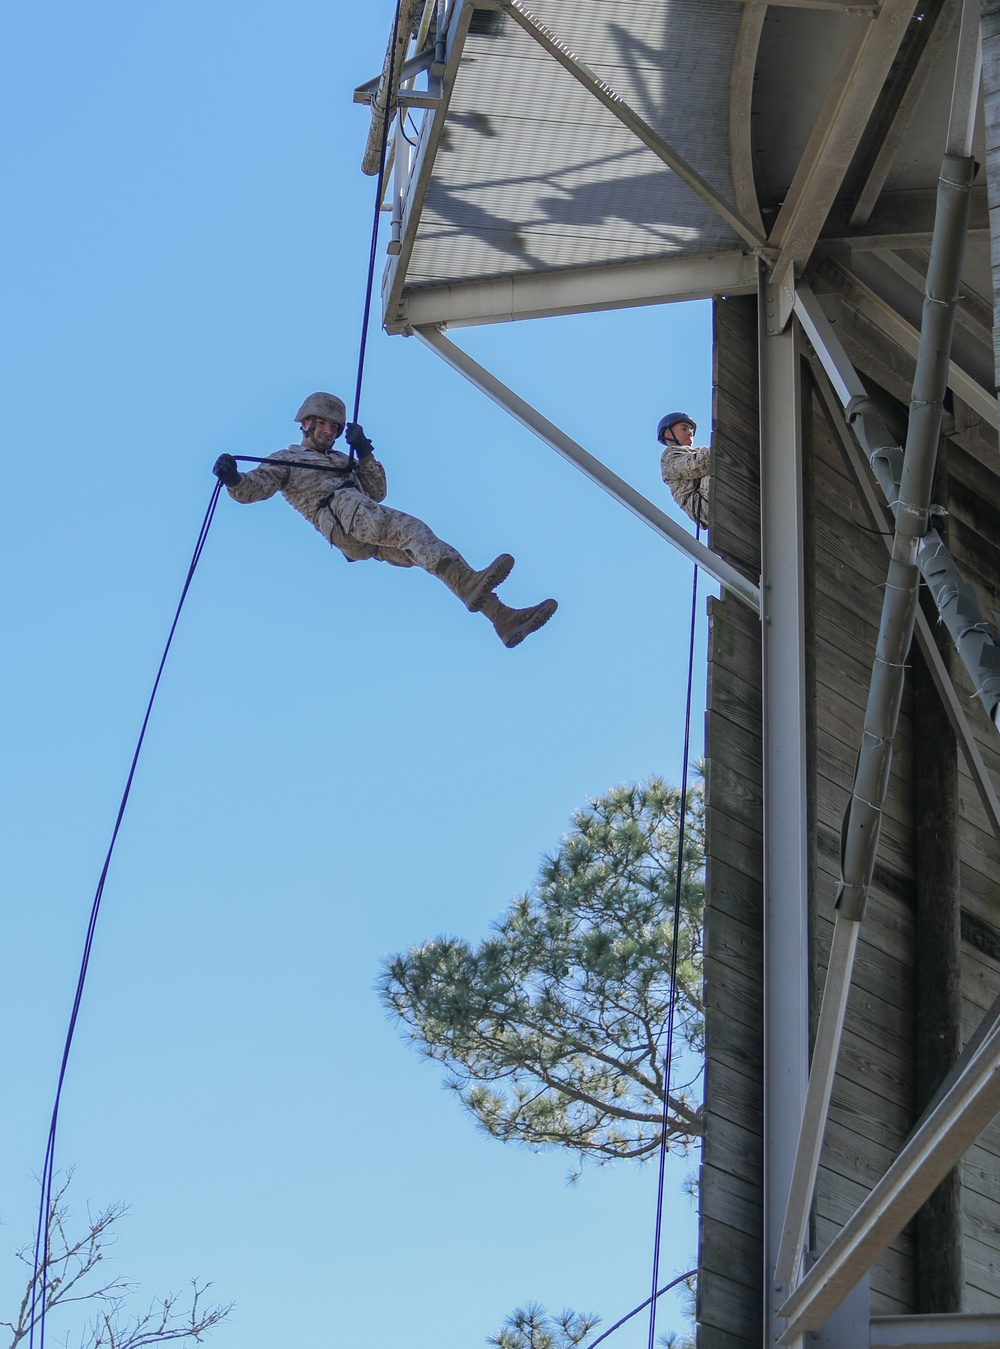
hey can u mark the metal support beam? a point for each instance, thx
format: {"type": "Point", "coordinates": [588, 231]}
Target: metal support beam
{"type": "Point", "coordinates": [943, 1332]}
{"type": "Point", "coordinates": [592, 467]}
{"type": "Point", "coordinates": [926, 1159]}
{"type": "Point", "coordinates": [400, 172]}
{"type": "Point", "coordinates": [530, 295]}
{"type": "Point", "coordinates": [844, 6]}
{"type": "Point", "coordinates": [900, 219]}
{"type": "Point", "coordinates": [973, 313]}
{"type": "Point", "coordinates": [990, 29]}
{"type": "Point", "coordinates": [627, 115]}
{"type": "Point", "coordinates": [418, 98]}
{"type": "Point", "coordinates": [809, 1142]}
{"type": "Point", "coordinates": [365, 93]}
{"type": "Point", "coordinates": [786, 861]}
{"type": "Point", "coordinates": [817, 327]}
{"type": "Point", "coordinates": [856, 86]}
{"type": "Point", "coordinates": [866, 302]}
{"type": "Point", "coordinates": [965, 90]}
{"type": "Point", "coordinates": [916, 75]}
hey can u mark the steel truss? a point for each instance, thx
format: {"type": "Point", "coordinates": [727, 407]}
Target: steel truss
{"type": "Point", "coordinates": [804, 1291]}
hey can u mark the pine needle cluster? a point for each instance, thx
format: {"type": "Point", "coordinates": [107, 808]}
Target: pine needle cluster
{"type": "Point", "coordinates": [552, 1029]}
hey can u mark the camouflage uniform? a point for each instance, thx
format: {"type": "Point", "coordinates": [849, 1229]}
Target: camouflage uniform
{"type": "Point", "coordinates": [342, 504]}
{"type": "Point", "coordinates": [686, 472]}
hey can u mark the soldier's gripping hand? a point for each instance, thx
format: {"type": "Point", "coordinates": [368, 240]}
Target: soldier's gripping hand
{"type": "Point", "coordinates": [354, 434]}
{"type": "Point", "coordinates": [226, 471]}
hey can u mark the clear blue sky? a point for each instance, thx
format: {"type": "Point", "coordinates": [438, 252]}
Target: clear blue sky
{"type": "Point", "coordinates": [341, 761]}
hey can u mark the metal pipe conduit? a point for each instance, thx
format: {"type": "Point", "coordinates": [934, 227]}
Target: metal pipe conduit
{"type": "Point", "coordinates": [859, 840]}
{"type": "Point", "coordinates": [384, 102]}
{"type": "Point", "coordinates": [960, 611]}
{"type": "Point", "coordinates": [956, 599]}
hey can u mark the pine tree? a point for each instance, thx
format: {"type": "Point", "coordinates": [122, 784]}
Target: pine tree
{"type": "Point", "coordinates": [552, 1029]}
{"type": "Point", "coordinates": [532, 1327]}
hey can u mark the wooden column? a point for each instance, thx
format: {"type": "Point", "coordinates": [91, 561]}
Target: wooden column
{"type": "Point", "coordinates": [731, 1256]}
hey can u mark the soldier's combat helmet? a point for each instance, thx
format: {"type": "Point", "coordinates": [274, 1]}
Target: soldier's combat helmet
{"type": "Point", "coordinates": [325, 405]}
{"type": "Point", "coordinates": [671, 419]}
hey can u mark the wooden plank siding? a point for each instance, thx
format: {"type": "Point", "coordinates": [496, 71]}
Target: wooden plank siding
{"type": "Point", "coordinates": [731, 1258]}
{"type": "Point", "coordinates": [876, 1097]}
{"type": "Point", "coordinates": [873, 1103]}
{"type": "Point", "coordinates": [969, 488]}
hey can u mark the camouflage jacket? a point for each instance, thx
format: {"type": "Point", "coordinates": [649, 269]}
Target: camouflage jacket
{"type": "Point", "coordinates": [309, 489]}
{"type": "Point", "coordinates": [686, 473]}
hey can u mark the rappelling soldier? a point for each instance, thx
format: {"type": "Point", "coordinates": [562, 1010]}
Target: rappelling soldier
{"type": "Point", "coordinates": [686, 468]}
{"type": "Point", "coordinates": [340, 495]}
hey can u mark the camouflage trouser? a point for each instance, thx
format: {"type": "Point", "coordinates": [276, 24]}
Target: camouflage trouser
{"type": "Point", "coordinates": [367, 530]}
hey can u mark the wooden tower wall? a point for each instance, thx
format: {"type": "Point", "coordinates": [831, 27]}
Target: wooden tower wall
{"type": "Point", "coordinates": [937, 877]}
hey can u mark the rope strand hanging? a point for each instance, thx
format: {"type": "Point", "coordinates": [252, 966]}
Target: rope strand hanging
{"type": "Point", "coordinates": [39, 1281]}
{"type": "Point", "coordinates": [390, 91]}
{"type": "Point", "coordinates": [668, 1054]}
{"type": "Point", "coordinates": [41, 1248]}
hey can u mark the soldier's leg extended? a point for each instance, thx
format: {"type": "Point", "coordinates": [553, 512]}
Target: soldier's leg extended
{"type": "Point", "coordinates": [405, 540]}
{"type": "Point", "coordinates": [513, 625]}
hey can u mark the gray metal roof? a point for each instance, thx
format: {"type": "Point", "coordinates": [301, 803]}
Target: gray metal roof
{"type": "Point", "coordinates": [533, 173]}
{"type": "Point", "coordinates": [815, 125]}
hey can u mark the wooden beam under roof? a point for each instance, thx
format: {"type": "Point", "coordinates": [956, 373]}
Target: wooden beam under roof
{"type": "Point", "coordinates": [897, 106]}
{"type": "Point", "coordinates": [900, 220]}
{"type": "Point", "coordinates": [852, 96]}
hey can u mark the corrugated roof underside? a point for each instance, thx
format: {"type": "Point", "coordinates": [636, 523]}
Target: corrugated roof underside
{"type": "Point", "coordinates": [534, 174]}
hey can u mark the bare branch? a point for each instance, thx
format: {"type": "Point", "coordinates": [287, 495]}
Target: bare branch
{"type": "Point", "coordinates": [70, 1262]}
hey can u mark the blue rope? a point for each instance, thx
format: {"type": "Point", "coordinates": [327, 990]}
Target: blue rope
{"type": "Point", "coordinates": [41, 1252]}
{"type": "Point", "coordinates": [668, 1056]}
{"type": "Point", "coordinates": [39, 1277]}
{"type": "Point", "coordinates": [373, 250]}
{"type": "Point", "coordinates": [642, 1305]}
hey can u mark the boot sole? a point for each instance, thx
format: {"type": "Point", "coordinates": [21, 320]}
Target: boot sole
{"type": "Point", "coordinates": [497, 571]}
{"type": "Point", "coordinates": [541, 615]}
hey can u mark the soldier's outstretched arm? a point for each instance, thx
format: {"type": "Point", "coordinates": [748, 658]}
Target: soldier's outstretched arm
{"type": "Point", "coordinates": [263, 482]}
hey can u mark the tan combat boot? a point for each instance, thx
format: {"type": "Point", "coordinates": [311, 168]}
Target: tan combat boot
{"type": "Point", "coordinates": [513, 625]}
{"type": "Point", "coordinates": [472, 587]}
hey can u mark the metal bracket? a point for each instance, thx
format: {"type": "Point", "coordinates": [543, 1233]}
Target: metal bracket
{"type": "Point", "coordinates": [418, 98]}
{"type": "Point", "coordinates": [780, 304]}
{"type": "Point", "coordinates": [422, 61]}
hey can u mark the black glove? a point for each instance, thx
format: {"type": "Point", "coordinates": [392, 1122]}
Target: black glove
{"type": "Point", "coordinates": [354, 434]}
{"type": "Point", "coordinates": [226, 471]}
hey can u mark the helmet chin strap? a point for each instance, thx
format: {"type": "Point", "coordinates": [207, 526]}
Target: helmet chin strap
{"type": "Point", "coordinates": [308, 430]}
